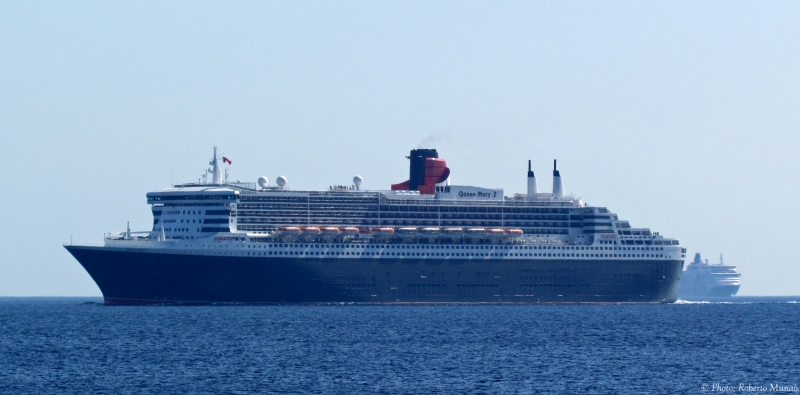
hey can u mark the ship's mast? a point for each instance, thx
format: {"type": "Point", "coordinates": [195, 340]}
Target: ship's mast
{"type": "Point", "coordinates": [216, 174]}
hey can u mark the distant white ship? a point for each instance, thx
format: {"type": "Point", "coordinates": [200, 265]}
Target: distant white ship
{"type": "Point", "coordinates": [703, 280]}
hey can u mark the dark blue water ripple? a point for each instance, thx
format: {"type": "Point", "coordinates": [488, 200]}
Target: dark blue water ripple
{"type": "Point", "coordinates": [63, 346]}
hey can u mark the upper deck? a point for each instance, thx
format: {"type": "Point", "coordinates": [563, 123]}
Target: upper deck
{"type": "Point", "coordinates": [427, 201]}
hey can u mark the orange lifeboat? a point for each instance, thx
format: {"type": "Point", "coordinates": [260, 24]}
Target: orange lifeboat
{"type": "Point", "coordinates": [514, 232]}
{"type": "Point", "coordinates": [310, 230]}
{"type": "Point", "coordinates": [383, 232]}
{"type": "Point", "coordinates": [349, 231]}
{"type": "Point", "coordinates": [329, 231]}
{"type": "Point", "coordinates": [289, 231]}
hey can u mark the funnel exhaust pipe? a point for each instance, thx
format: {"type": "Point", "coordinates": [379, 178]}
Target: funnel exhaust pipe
{"type": "Point", "coordinates": [558, 188]}
{"type": "Point", "coordinates": [533, 188]}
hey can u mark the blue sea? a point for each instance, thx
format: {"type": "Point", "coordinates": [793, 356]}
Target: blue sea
{"type": "Point", "coordinates": [66, 345]}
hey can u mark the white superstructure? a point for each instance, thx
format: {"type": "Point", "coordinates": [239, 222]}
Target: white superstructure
{"type": "Point", "coordinates": [219, 217]}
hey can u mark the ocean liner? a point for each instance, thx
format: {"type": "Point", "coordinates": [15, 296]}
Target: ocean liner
{"type": "Point", "coordinates": [422, 241]}
{"type": "Point", "coordinates": [702, 280]}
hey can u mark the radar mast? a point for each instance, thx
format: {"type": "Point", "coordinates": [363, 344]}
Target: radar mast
{"type": "Point", "coordinates": [215, 173]}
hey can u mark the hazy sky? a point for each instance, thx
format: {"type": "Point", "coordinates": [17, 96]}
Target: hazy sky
{"type": "Point", "coordinates": [679, 116]}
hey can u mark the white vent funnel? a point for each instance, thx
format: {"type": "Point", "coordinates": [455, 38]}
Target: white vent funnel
{"type": "Point", "coordinates": [558, 188]}
{"type": "Point", "coordinates": [533, 188]}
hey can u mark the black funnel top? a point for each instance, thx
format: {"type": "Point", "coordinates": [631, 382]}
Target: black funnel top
{"type": "Point", "coordinates": [555, 172]}
{"type": "Point", "coordinates": [530, 172]}
{"type": "Point", "coordinates": [417, 171]}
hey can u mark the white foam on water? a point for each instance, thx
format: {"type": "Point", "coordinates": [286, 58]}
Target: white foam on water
{"type": "Point", "coordinates": [681, 301]}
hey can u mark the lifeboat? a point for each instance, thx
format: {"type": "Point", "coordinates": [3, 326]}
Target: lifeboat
{"type": "Point", "coordinates": [430, 232]}
{"type": "Point", "coordinates": [514, 232]}
{"type": "Point", "coordinates": [453, 233]}
{"type": "Point", "coordinates": [476, 233]}
{"type": "Point", "coordinates": [495, 233]}
{"type": "Point", "coordinates": [349, 231]}
{"type": "Point", "coordinates": [330, 231]}
{"type": "Point", "coordinates": [310, 231]}
{"type": "Point", "coordinates": [407, 232]}
{"type": "Point", "coordinates": [365, 231]}
{"type": "Point", "coordinates": [289, 231]}
{"type": "Point", "coordinates": [383, 232]}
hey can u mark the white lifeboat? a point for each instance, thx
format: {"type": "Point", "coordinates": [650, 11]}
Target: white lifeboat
{"type": "Point", "coordinates": [453, 233]}
{"type": "Point", "coordinates": [495, 233]}
{"type": "Point", "coordinates": [476, 233]}
{"type": "Point", "coordinates": [430, 232]}
{"type": "Point", "coordinates": [407, 232]}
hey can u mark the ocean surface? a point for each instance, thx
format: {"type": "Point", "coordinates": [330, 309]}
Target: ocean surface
{"type": "Point", "coordinates": [66, 345]}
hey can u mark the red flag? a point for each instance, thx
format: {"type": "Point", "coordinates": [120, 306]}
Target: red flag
{"type": "Point", "coordinates": [226, 160]}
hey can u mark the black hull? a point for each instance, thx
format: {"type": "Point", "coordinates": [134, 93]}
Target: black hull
{"type": "Point", "coordinates": [130, 277]}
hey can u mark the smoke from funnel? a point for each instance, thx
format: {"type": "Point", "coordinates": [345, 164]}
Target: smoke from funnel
{"type": "Point", "coordinates": [431, 140]}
